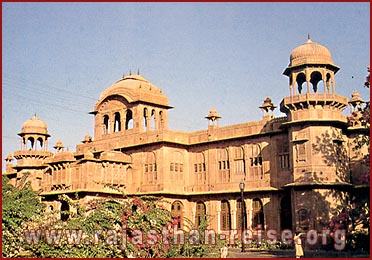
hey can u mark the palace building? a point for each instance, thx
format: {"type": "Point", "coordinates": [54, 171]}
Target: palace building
{"type": "Point", "coordinates": [296, 169]}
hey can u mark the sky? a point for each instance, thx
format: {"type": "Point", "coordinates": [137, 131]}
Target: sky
{"type": "Point", "coordinates": [58, 57]}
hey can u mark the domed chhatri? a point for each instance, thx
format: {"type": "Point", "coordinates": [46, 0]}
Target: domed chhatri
{"type": "Point", "coordinates": [310, 53]}
{"type": "Point", "coordinates": [35, 126]}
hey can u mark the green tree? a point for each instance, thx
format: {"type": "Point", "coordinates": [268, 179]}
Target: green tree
{"type": "Point", "coordinates": [20, 206]}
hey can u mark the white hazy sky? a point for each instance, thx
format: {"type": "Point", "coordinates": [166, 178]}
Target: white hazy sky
{"type": "Point", "coordinates": [58, 58]}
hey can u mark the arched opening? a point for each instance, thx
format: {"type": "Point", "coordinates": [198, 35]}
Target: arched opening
{"type": "Point", "coordinates": [145, 119]}
{"type": "Point", "coordinates": [300, 79]}
{"type": "Point", "coordinates": [314, 80]}
{"type": "Point", "coordinates": [239, 215]}
{"type": "Point", "coordinates": [200, 168]}
{"type": "Point", "coordinates": [177, 213]}
{"type": "Point", "coordinates": [304, 219]}
{"type": "Point", "coordinates": [176, 166]}
{"type": "Point", "coordinates": [117, 122]}
{"type": "Point", "coordinates": [257, 214]}
{"type": "Point", "coordinates": [150, 171]}
{"type": "Point", "coordinates": [39, 143]}
{"type": "Point", "coordinates": [328, 82]}
{"type": "Point", "coordinates": [239, 162]}
{"type": "Point", "coordinates": [106, 124]}
{"type": "Point", "coordinates": [225, 215]}
{"type": "Point", "coordinates": [200, 215]}
{"type": "Point", "coordinates": [129, 120]}
{"type": "Point", "coordinates": [30, 143]}
{"type": "Point", "coordinates": [286, 213]}
{"type": "Point", "coordinates": [161, 120]}
{"type": "Point", "coordinates": [153, 121]}
{"type": "Point", "coordinates": [65, 211]}
{"type": "Point", "coordinates": [223, 166]}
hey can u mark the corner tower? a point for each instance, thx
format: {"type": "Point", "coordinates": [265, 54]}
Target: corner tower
{"type": "Point", "coordinates": [316, 132]}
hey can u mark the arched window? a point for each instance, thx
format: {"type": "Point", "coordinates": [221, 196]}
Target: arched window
{"type": "Point", "coordinates": [65, 211]}
{"type": "Point", "coordinates": [256, 161]}
{"type": "Point", "coordinates": [117, 122]}
{"type": "Point", "coordinates": [239, 162]}
{"type": "Point", "coordinates": [303, 219]}
{"type": "Point", "coordinates": [239, 215]}
{"type": "Point", "coordinates": [161, 120]}
{"type": "Point", "coordinates": [315, 77]}
{"type": "Point", "coordinates": [40, 143]}
{"type": "Point", "coordinates": [177, 212]}
{"type": "Point", "coordinates": [301, 79]}
{"type": "Point", "coordinates": [200, 215]}
{"type": "Point", "coordinates": [328, 82]}
{"type": "Point", "coordinates": [153, 120]}
{"type": "Point", "coordinates": [176, 166]}
{"type": "Point", "coordinates": [106, 124]}
{"type": "Point", "coordinates": [223, 166]}
{"type": "Point", "coordinates": [150, 171]}
{"type": "Point", "coordinates": [258, 214]}
{"type": "Point", "coordinates": [129, 120]}
{"type": "Point", "coordinates": [30, 143]}
{"type": "Point", "coordinates": [200, 168]}
{"type": "Point", "coordinates": [225, 215]}
{"type": "Point", "coordinates": [145, 119]}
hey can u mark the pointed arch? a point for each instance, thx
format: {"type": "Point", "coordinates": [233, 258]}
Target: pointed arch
{"type": "Point", "coordinates": [177, 213]}
{"type": "Point", "coordinates": [145, 116]}
{"type": "Point", "coordinates": [117, 122]}
{"type": "Point", "coordinates": [315, 78]}
{"type": "Point", "coordinates": [30, 143]}
{"type": "Point", "coordinates": [300, 79]}
{"type": "Point", "coordinates": [258, 217]}
{"type": "Point", "coordinates": [106, 124]}
{"type": "Point", "coordinates": [150, 168]}
{"type": "Point", "coordinates": [200, 214]}
{"type": "Point", "coordinates": [223, 165]}
{"type": "Point", "coordinates": [239, 214]}
{"type": "Point", "coordinates": [153, 120]}
{"type": "Point", "coordinates": [225, 215]}
{"type": "Point", "coordinates": [129, 120]}
{"type": "Point", "coordinates": [65, 211]}
{"type": "Point", "coordinates": [40, 143]}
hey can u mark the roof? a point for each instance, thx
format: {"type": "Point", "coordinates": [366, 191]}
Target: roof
{"type": "Point", "coordinates": [34, 126]}
{"type": "Point", "coordinates": [135, 88]}
{"type": "Point", "coordinates": [310, 53]}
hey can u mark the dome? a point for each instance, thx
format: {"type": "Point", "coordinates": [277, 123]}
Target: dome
{"type": "Point", "coordinates": [213, 114]}
{"type": "Point", "coordinates": [135, 88]}
{"type": "Point", "coordinates": [310, 53]}
{"type": "Point", "coordinates": [59, 145]}
{"type": "Point", "coordinates": [35, 126]}
{"type": "Point", "coordinates": [355, 99]}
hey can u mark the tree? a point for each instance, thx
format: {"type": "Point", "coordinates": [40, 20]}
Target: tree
{"type": "Point", "coordinates": [20, 205]}
{"type": "Point", "coordinates": [355, 218]}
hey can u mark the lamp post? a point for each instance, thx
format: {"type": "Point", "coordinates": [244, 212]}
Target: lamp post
{"type": "Point", "coordinates": [242, 186]}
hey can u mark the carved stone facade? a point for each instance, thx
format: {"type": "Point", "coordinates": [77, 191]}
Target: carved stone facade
{"type": "Point", "coordinates": [296, 168]}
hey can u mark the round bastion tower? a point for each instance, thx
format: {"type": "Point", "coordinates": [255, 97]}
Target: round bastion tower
{"type": "Point", "coordinates": [33, 151]}
{"type": "Point", "coordinates": [316, 132]}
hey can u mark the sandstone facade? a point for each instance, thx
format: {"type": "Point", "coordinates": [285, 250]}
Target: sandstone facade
{"type": "Point", "coordinates": [296, 169]}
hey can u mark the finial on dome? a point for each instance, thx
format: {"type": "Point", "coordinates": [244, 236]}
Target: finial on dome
{"type": "Point", "coordinates": [138, 72]}
{"type": "Point", "coordinates": [130, 72]}
{"type": "Point", "coordinates": [309, 38]}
